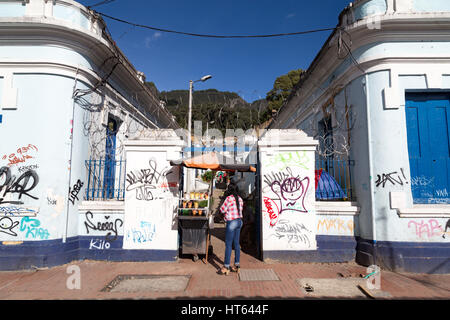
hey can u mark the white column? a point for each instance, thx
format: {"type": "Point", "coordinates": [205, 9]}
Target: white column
{"type": "Point", "coordinates": [151, 195]}
{"type": "Point", "coordinates": [287, 160]}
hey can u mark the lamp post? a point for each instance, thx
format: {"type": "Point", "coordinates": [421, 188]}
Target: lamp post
{"type": "Point", "coordinates": [191, 87]}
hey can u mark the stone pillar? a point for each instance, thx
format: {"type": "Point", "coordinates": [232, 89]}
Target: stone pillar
{"type": "Point", "coordinates": [151, 194]}
{"type": "Point", "coordinates": [286, 167]}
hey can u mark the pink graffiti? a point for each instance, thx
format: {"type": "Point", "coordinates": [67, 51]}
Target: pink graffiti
{"type": "Point", "coordinates": [429, 229]}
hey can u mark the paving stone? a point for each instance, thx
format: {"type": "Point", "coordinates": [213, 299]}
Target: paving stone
{"type": "Point", "coordinates": [258, 275]}
{"type": "Point", "coordinates": [148, 283]}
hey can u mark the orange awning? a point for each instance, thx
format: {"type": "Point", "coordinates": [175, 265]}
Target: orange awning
{"type": "Point", "coordinates": [213, 161]}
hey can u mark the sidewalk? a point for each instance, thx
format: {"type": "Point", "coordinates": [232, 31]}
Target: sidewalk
{"type": "Point", "coordinates": [205, 283]}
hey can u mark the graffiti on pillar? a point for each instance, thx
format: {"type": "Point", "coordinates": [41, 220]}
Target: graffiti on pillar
{"type": "Point", "coordinates": [272, 210]}
{"type": "Point", "coordinates": [293, 232]}
{"type": "Point", "coordinates": [289, 159]}
{"type": "Point", "coordinates": [151, 182]}
{"type": "Point", "coordinates": [288, 213]}
{"type": "Point", "coordinates": [143, 232]}
{"type": "Point", "coordinates": [289, 194]}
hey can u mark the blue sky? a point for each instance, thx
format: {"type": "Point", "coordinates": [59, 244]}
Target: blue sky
{"type": "Point", "coordinates": [246, 66]}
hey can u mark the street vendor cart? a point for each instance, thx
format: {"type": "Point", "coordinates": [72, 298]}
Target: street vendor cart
{"type": "Point", "coordinates": [195, 218]}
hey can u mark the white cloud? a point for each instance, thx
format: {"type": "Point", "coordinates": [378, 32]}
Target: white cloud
{"type": "Point", "coordinates": [150, 39]}
{"type": "Point", "coordinates": [290, 15]}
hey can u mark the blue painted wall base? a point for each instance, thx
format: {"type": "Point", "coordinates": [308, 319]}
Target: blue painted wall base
{"type": "Point", "coordinates": [416, 257]}
{"type": "Point", "coordinates": [430, 258]}
{"type": "Point", "coordinates": [329, 249]}
{"type": "Point", "coordinates": [51, 253]}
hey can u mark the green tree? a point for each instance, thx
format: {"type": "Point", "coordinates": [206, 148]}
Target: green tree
{"type": "Point", "coordinates": [282, 88]}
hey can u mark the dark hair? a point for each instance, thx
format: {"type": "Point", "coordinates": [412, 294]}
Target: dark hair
{"type": "Point", "coordinates": [233, 191]}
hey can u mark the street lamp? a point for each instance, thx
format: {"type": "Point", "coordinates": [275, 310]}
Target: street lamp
{"type": "Point", "coordinates": [191, 87]}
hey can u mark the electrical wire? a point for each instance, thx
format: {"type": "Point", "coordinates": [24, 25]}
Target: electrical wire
{"type": "Point", "coordinates": [343, 43]}
{"type": "Point", "coordinates": [215, 35]}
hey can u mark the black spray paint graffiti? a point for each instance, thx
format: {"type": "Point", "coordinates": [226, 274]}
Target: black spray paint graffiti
{"type": "Point", "coordinates": [73, 193]}
{"type": "Point", "coordinates": [7, 226]}
{"type": "Point", "coordinates": [447, 226]}
{"type": "Point", "coordinates": [110, 226]}
{"type": "Point", "coordinates": [146, 180]}
{"type": "Point", "coordinates": [393, 177]}
{"type": "Point", "coordinates": [293, 232]}
{"type": "Point", "coordinates": [21, 186]}
{"type": "Point", "coordinates": [27, 168]}
{"type": "Point", "coordinates": [291, 190]}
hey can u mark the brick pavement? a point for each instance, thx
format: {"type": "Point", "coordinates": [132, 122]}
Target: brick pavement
{"type": "Point", "coordinates": [50, 284]}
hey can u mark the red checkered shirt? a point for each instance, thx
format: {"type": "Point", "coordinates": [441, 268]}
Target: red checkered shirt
{"type": "Point", "coordinates": [229, 208]}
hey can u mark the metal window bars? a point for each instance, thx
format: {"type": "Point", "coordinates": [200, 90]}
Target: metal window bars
{"type": "Point", "coordinates": [334, 179]}
{"type": "Point", "coordinates": [105, 179]}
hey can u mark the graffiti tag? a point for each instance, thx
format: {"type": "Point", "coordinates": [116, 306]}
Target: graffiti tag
{"type": "Point", "coordinates": [7, 225]}
{"type": "Point", "coordinates": [144, 181]}
{"type": "Point", "coordinates": [33, 229]}
{"type": "Point", "coordinates": [292, 232]}
{"type": "Point", "coordinates": [16, 211]}
{"type": "Point", "coordinates": [339, 225]}
{"type": "Point", "coordinates": [291, 192]}
{"type": "Point", "coordinates": [145, 233]}
{"type": "Point", "coordinates": [21, 186]}
{"type": "Point", "coordinates": [110, 226]}
{"type": "Point", "coordinates": [99, 244]}
{"type": "Point", "coordinates": [289, 159]}
{"type": "Point", "coordinates": [394, 178]}
{"type": "Point", "coordinates": [429, 228]}
{"type": "Point", "coordinates": [20, 156]}
{"type": "Point", "coordinates": [272, 210]}
{"type": "Point", "coordinates": [73, 193]}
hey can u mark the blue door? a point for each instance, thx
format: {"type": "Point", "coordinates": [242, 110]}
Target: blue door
{"type": "Point", "coordinates": [427, 120]}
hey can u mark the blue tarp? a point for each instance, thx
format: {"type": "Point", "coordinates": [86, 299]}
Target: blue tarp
{"type": "Point", "coordinates": [327, 188]}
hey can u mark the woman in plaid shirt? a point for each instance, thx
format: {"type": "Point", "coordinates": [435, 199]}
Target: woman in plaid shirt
{"type": "Point", "coordinates": [232, 210]}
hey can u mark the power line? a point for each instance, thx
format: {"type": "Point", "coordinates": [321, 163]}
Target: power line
{"type": "Point", "coordinates": [214, 35]}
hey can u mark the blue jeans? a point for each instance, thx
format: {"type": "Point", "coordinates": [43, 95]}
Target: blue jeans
{"type": "Point", "coordinates": [232, 234]}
